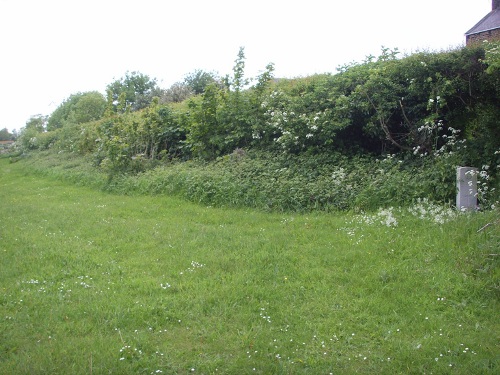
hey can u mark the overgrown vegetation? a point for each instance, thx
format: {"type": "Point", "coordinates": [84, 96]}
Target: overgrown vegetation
{"type": "Point", "coordinates": [383, 132]}
{"type": "Point", "coordinates": [96, 283]}
{"type": "Point", "coordinates": [276, 182]}
{"type": "Point", "coordinates": [395, 282]}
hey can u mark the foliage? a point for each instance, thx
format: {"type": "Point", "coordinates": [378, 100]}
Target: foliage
{"type": "Point", "coordinates": [205, 136]}
{"type": "Point", "coordinates": [297, 116]}
{"type": "Point", "coordinates": [377, 106]}
{"type": "Point", "coordinates": [176, 93]}
{"type": "Point", "coordinates": [395, 128]}
{"type": "Point", "coordinates": [492, 57]}
{"type": "Point", "coordinates": [77, 109]}
{"type": "Point", "coordinates": [37, 123]}
{"type": "Point", "coordinates": [136, 90]}
{"type": "Point", "coordinates": [300, 183]}
{"type": "Point", "coordinates": [31, 135]}
{"type": "Point", "coordinates": [227, 118]}
{"type": "Point", "coordinates": [5, 135]}
{"type": "Point", "coordinates": [380, 105]}
{"type": "Point", "coordinates": [199, 80]}
{"type": "Point", "coordinates": [133, 141]}
{"type": "Point", "coordinates": [238, 82]}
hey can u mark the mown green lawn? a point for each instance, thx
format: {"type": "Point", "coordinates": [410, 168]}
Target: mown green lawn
{"type": "Point", "coordinates": [94, 283]}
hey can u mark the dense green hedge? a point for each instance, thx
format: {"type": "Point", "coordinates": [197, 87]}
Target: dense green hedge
{"type": "Point", "coordinates": [308, 142]}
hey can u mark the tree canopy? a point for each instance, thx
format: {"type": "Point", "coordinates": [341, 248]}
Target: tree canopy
{"type": "Point", "coordinates": [412, 105]}
{"type": "Point", "coordinates": [37, 123]}
{"type": "Point", "coordinates": [78, 109]}
{"type": "Point", "coordinates": [198, 80]}
{"type": "Point", "coordinates": [5, 135]}
{"type": "Point", "coordinates": [135, 91]}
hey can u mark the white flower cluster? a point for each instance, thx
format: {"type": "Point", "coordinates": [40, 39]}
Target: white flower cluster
{"type": "Point", "coordinates": [429, 133]}
{"type": "Point", "coordinates": [290, 129]}
{"type": "Point", "coordinates": [383, 216]}
{"type": "Point", "coordinates": [426, 210]}
{"type": "Point", "coordinates": [386, 217]}
{"type": "Point", "coordinates": [338, 176]}
{"type": "Point", "coordinates": [483, 189]}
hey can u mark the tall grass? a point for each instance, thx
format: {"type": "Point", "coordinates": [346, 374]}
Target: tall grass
{"type": "Point", "coordinates": [93, 282]}
{"type": "Point", "coordinates": [279, 182]}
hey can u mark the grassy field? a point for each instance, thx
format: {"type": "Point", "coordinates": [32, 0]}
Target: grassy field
{"type": "Point", "coordinates": [95, 283]}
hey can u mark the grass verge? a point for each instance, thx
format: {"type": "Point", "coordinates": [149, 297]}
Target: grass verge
{"type": "Point", "coordinates": [93, 282]}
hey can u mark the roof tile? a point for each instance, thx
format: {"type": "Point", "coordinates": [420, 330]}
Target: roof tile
{"type": "Point", "coordinates": [489, 22]}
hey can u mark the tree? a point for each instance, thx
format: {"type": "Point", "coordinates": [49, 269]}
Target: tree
{"type": "Point", "coordinates": [89, 108]}
{"type": "Point", "coordinates": [206, 135]}
{"type": "Point", "coordinates": [77, 109]}
{"type": "Point", "coordinates": [176, 93]}
{"type": "Point", "coordinates": [37, 123]}
{"type": "Point", "coordinates": [257, 110]}
{"type": "Point", "coordinates": [239, 81]}
{"type": "Point", "coordinates": [492, 61]}
{"type": "Point", "coordinates": [235, 114]}
{"type": "Point", "coordinates": [32, 135]}
{"type": "Point", "coordinates": [138, 89]}
{"type": "Point", "coordinates": [198, 81]}
{"type": "Point", "coordinates": [225, 118]}
{"type": "Point", "coordinates": [5, 135]}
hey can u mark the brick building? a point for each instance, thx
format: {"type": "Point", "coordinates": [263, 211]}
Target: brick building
{"type": "Point", "coordinates": [486, 29]}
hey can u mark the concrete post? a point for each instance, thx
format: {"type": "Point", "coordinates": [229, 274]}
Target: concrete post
{"type": "Point", "coordinates": [466, 188]}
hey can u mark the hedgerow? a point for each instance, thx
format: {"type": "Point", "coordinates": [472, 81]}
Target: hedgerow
{"type": "Point", "coordinates": [385, 131]}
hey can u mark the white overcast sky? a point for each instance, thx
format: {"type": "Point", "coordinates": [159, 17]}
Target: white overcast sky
{"type": "Point", "coordinates": [50, 49]}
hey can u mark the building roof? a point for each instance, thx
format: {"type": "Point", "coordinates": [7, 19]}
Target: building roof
{"type": "Point", "coordinates": [490, 22]}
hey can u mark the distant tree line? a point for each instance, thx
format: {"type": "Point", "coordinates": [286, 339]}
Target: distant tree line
{"type": "Point", "coordinates": [5, 135]}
